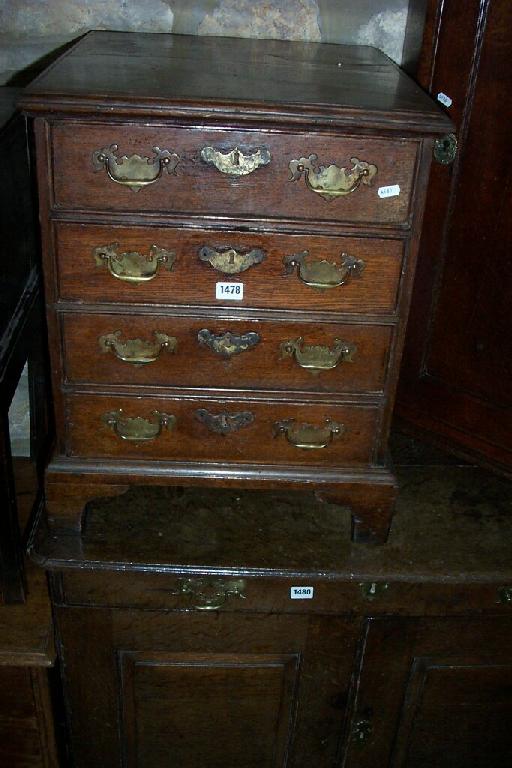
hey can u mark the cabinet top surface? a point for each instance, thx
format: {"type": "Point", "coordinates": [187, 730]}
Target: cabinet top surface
{"type": "Point", "coordinates": [452, 524]}
{"type": "Point", "coordinates": [164, 74]}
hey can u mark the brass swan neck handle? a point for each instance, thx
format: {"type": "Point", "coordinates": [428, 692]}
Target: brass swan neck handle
{"type": "Point", "coordinates": [317, 357]}
{"type": "Point", "coordinates": [331, 181]}
{"type": "Point", "coordinates": [131, 266]}
{"type": "Point", "coordinates": [308, 436]}
{"type": "Point", "coordinates": [137, 351]}
{"type": "Point", "coordinates": [134, 171]}
{"type": "Point", "coordinates": [323, 274]}
{"type": "Point", "coordinates": [136, 428]}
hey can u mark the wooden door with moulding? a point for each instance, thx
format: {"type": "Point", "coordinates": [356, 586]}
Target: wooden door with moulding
{"type": "Point", "coordinates": [456, 378]}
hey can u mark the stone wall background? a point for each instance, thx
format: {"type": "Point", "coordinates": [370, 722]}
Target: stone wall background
{"type": "Point", "coordinates": [32, 30]}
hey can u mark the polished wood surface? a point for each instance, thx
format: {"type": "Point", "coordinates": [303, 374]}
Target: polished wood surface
{"type": "Point", "coordinates": [190, 439]}
{"type": "Point", "coordinates": [457, 376]}
{"type": "Point", "coordinates": [193, 364]}
{"type": "Point", "coordinates": [269, 78]}
{"type": "Point", "coordinates": [196, 187]}
{"type": "Point", "coordinates": [192, 281]}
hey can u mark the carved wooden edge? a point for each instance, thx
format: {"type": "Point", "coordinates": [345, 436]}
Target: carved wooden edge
{"type": "Point", "coordinates": [371, 507]}
{"type": "Point", "coordinates": [370, 493]}
{"type": "Point", "coordinates": [65, 502]}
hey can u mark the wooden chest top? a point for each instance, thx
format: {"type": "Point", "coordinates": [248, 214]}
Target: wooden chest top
{"type": "Point", "coordinates": [285, 81]}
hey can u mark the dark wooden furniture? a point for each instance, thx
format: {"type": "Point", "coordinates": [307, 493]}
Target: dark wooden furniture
{"type": "Point", "coordinates": [456, 379]}
{"type": "Point", "coordinates": [27, 655]}
{"type": "Point", "coordinates": [28, 684]}
{"type": "Point", "coordinates": [295, 173]}
{"type": "Point", "coordinates": [21, 328]}
{"type": "Point", "coordinates": [183, 645]}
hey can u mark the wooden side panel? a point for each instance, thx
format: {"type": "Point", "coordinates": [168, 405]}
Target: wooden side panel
{"type": "Point", "coordinates": [27, 738]}
{"type": "Point", "coordinates": [457, 376]}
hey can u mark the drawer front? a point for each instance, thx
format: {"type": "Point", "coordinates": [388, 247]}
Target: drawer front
{"type": "Point", "coordinates": [184, 352]}
{"type": "Point", "coordinates": [105, 264]}
{"type": "Point", "coordinates": [267, 594]}
{"type": "Point", "coordinates": [89, 174]}
{"type": "Point", "coordinates": [220, 430]}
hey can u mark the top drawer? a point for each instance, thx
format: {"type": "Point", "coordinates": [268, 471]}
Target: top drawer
{"type": "Point", "coordinates": [231, 173]}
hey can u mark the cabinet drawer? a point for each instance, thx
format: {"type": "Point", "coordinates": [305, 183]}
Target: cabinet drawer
{"type": "Point", "coordinates": [96, 167]}
{"type": "Point", "coordinates": [258, 354]}
{"type": "Point", "coordinates": [105, 264]}
{"type": "Point", "coordinates": [271, 594]}
{"type": "Point", "coordinates": [220, 430]}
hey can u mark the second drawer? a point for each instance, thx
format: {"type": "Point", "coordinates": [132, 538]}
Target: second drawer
{"type": "Point", "coordinates": [257, 354]}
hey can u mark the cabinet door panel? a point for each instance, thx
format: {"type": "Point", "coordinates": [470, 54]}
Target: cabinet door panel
{"type": "Point", "coordinates": [433, 693]}
{"type": "Point", "coordinates": [150, 688]}
{"type": "Point", "coordinates": [205, 710]}
{"type": "Point", "coordinates": [457, 713]}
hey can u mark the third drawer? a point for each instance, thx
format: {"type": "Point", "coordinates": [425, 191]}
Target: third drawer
{"type": "Point", "coordinates": [146, 350]}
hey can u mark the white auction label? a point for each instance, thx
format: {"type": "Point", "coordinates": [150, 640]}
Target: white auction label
{"type": "Point", "coordinates": [301, 593]}
{"type": "Point", "coordinates": [229, 291]}
{"type": "Point", "coordinates": [392, 191]}
{"type": "Point", "coordinates": [444, 99]}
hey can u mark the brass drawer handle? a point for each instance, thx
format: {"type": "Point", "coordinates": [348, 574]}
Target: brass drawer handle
{"type": "Point", "coordinates": [235, 162]}
{"type": "Point", "coordinates": [228, 344]}
{"type": "Point", "coordinates": [130, 266]}
{"type": "Point", "coordinates": [134, 171]}
{"type": "Point", "coordinates": [137, 351]}
{"type": "Point", "coordinates": [229, 261]}
{"type": "Point", "coordinates": [317, 357]}
{"type": "Point", "coordinates": [136, 428]}
{"type": "Point", "coordinates": [211, 594]}
{"type": "Point", "coordinates": [324, 274]}
{"type": "Point", "coordinates": [307, 435]}
{"type": "Point", "coordinates": [224, 423]}
{"type": "Point", "coordinates": [331, 181]}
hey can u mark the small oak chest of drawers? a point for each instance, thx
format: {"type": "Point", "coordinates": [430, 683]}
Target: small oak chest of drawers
{"type": "Point", "coordinates": [229, 231]}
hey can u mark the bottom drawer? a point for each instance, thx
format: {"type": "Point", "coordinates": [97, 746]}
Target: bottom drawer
{"type": "Point", "coordinates": [179, 429]}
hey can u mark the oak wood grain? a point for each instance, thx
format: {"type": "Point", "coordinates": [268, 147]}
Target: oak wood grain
{"type": "Point", "coordinates": [197, 187]}
{"type": "Point", "coordinates": [89, 436]}
{"type": "Point", "coordinates": [192, 281]}
{"type": "Point", "coordinates": [193, 364]}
